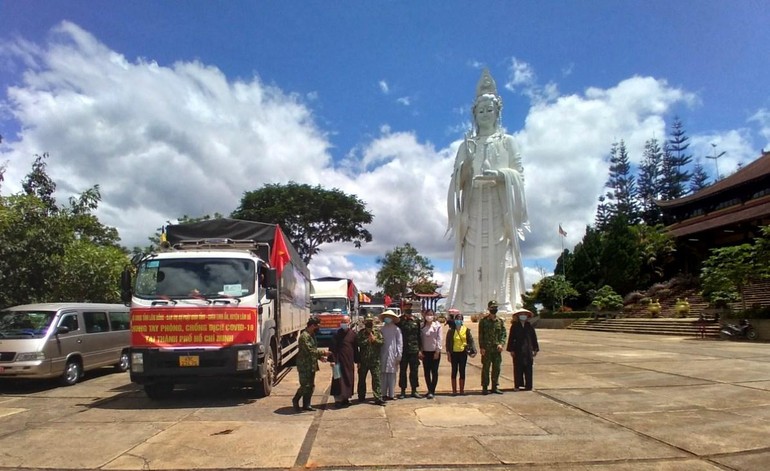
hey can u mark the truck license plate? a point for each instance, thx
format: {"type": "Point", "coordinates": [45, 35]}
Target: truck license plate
{"type": "Point", "coordinates": [190, 360]}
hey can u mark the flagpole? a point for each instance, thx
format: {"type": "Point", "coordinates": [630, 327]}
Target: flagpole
{"type": "Point", "coordinates": [563, 260]}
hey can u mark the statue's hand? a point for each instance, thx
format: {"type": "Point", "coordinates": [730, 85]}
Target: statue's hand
{"type": "Point", "coordinates": [491, 173]}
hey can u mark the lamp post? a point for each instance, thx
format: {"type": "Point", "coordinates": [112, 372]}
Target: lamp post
{"type": "Point", "coordinates": [715, 158]}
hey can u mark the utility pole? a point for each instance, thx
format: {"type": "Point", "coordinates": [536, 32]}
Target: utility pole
{"type": "Point", "coordinates": [715, 158]}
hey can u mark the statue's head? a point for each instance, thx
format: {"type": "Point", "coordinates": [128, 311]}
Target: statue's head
{"type": "Point", "coordinates": [487, 102]}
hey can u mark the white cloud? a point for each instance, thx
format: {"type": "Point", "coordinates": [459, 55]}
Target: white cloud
{"type": "Point", "coordinates": [522, 79]}
{"type": "Point", "coordinates": [384, 88]}
{"type": "Point", "coordinates": [762, 118]}
{"type": "Point", "coordinates": [404, 100]}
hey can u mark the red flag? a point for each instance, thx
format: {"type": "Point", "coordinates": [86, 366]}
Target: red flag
{"type": "Point", "coordinates": [562, 232]}
{"type": "Point", "coordinates": [280, 256]}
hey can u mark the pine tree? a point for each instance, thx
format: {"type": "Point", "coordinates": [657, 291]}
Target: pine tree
{"type": "Point", "coordinates": [699, 178]}
{"type": "Point", "coordinates": [650, 182]}
{"type": "Point", "coordinates": [622, 185]}
{"type": "Point", "coordinates": [675, 162]}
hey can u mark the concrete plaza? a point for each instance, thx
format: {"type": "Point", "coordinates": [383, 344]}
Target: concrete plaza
{"type": "Point", "coordinates": [602, 401]}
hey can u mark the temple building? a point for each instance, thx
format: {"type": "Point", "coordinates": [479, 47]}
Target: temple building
{"type": "Point", "coordinates": [728, 212]}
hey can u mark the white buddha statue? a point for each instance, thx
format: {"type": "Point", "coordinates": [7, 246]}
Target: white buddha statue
{"type": "Point", "coordinates": [487, 211]}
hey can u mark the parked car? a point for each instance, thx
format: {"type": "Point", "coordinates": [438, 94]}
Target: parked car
{"type": "Point", "coordinates": [63, 340]}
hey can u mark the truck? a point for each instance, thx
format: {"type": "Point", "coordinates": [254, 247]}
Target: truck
{"type": "Point", "coordinates": [333, 300]}
{"type": "Point", "coordinates": [223, 300]}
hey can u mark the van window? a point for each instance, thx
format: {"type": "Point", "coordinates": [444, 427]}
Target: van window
{"type": "Point", "coordinates": [96, 322]}
{"type": "Point", "coordinates": [119, 320]}
{"type": "Point", "coordinates": [25, 324]}
{"type": "Point", "coordinates": [69, 320]}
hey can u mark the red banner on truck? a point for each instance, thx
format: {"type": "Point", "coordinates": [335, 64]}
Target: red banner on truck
{"type": "Point", "coordinates": [188, 326]}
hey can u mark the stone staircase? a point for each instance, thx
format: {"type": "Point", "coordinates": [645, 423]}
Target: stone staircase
{"type": "Point", "coordinates": [686, 326]}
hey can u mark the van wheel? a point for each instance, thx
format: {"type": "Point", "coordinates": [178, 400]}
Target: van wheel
{"type": "Point", "coordinates": [264, 386]}
{"type": "Point", "coordinates": [124, 363]}
{"type": "Point", "coordinates": [72, 373]}
{"type": "Point", "coordinates": [161, 390]}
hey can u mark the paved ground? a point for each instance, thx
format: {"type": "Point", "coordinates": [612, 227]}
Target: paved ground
{"type": "Point", "coordinates": [602, 402]}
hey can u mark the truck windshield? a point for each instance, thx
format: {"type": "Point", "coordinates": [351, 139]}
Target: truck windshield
{"type": "Point", "coordinates": [195, 277]}
{"type": "Point", "coordinates": [24, 324]}
{"type": "Point", "coordinates": [328, 305]}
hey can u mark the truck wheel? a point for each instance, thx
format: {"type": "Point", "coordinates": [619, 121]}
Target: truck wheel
{"type": "Point", "coordinates": [751, 334]}
{"type": "Point", "coordinates": [161, 390]}
{"type": "Point", "coordinates": [72, 373]}
{"type": "Point", "coordinates": [123, 365]}
{"type": "Point", "coordinates": [264, 385]}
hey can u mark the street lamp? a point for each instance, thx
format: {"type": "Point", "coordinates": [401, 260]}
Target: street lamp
{"type": "Point", "coordinates": [715, 158]}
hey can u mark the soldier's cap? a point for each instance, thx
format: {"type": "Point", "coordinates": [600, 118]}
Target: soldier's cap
{"type": "Point", "coordinates": [390, 314]}
{"type": "Point", "coordinates": [523, 311]}
{"type": "Point", "coordinates": [313, 321]}
{"type": "Point", "coordinates": [492, 304]}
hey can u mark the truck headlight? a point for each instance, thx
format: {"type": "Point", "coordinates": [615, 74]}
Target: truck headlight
{"type": "Point", "coordinates": [30, 356]}
{"type": "Point", "coordinates": [245, 360]}
{"type": "Point", "coordinates": [137, 362]}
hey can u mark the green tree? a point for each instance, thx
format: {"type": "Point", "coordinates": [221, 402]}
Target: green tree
{"type": "Point", "coordinates": [42, 245]}
{"type": "Point", "coordinates": [606, 299]}
{"type": "Point", "coordinates": [402, 268]}
{"type": "Point", "coordinates": [551, 291]}
{"type": "Point", "coordinates": [310, 216]}
{"type": "Point", "coordinates": [727, 271]}
{"type": "Point", "coordinates": [620, 258]}
{"type": "Point", "coordinates": [656, 249]}
{"type": "Point", "coordinates": [100, 265]}
{"type": "Point", "coordinates": [622, 184]}
{"type": "Point", "coordinates": [649, 182]}
{"type": "Point", "coordinates": [699, 178]}
{"type": "Point", "coordinates": [675, 162]}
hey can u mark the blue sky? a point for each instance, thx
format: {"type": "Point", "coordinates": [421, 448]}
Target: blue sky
{"type": "Point", "coordinates": [179, 107]}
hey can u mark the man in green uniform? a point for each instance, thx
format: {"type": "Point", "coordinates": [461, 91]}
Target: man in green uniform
{"type": "Point", "coordinates": [410, 333]}
{"type": "Point", "coordinates": [368, 343]}
{"type": "Point", "coordinates": [307, 364]}
{"type": "Point", "coordinates": [491, 340]}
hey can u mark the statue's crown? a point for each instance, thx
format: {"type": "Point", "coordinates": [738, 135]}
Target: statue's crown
{"type": "Point", "coordinates": [486, 85]}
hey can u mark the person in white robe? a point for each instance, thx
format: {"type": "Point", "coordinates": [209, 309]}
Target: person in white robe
{"type": "Point", "coordinates": [390, 353]}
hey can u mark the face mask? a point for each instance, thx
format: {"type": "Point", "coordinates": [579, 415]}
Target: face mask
{"type": "Point", "coordinates": [387, 320]}
{"type": "Point", "coordinates": [458, 322]}
{"type": "Point", "coordinates": [429, 319]}
{"type": "Point", "coordinates": [344, 326]}
{"type": "Point", "coordinates": [523, 317]}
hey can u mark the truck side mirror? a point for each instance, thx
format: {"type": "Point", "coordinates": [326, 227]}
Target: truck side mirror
{"type": "Point", "coordinates": [271, 278]}
{"type": "Point", "coordinates": [125, 286]}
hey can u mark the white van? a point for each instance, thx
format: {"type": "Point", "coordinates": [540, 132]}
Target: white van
{"type": "Point", "coordinates": [63, 340]}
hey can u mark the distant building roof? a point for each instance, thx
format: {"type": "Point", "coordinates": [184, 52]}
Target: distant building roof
{"type": "Point", "coordinates": [756, 170]}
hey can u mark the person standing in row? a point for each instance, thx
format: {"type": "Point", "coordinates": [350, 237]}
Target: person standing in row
{"type": "Point", "coordinates": [410, 333]}
{"type": "Point", "coordinates": [522, 343]}
{"type": "Point", "coordinates": [342, 357]}
{"type": "Point", "coordinates": [369, 345]}
{"type": "Point", "coordinates": [491, 340]}
{"type": "Point", "coordinates": [459, 345]}
{"type": "Point", "coordinates": [390, 355]}
{"type": "Point", "coordinates": [307, 364]}
{"type": "Point", "coordinates": [430, 335]}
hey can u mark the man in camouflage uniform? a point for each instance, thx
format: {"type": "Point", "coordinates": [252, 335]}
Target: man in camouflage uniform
{"type": "Point", "coordinates": [368, 343]}
{"type": "Point", "coordinates": [410, 333]}
{"type": "Point", "coordinates": [307, 364]}
{"type": "Point", "coordinates": [492, 336]}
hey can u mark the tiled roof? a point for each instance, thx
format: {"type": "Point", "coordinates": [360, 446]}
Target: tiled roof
{"type": "Point", "coordinates": [755, 170]}
{"type": "Point", "coordinates": [735, 214]}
